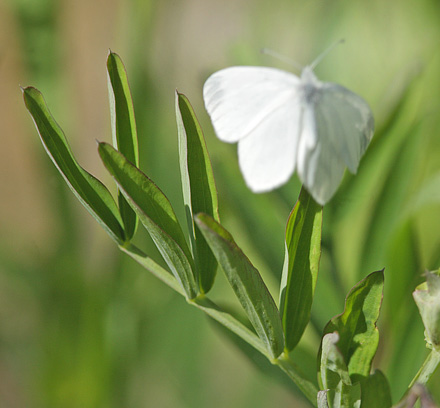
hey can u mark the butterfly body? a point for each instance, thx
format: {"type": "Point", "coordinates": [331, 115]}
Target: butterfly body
{"type": "Point", "coordinates": [284, 123]}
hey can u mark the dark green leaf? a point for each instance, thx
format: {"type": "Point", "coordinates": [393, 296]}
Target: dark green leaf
{"type": "Point", "coordinates": [199, 191]}
{"type": "Point", "coordinates": [123, 128]}
{"type": "Point", "coordinates": [246, 283]}
{"type": "Point", "coordinates": [301, 264]}
{"type": "Point", "coordinates": [375, 391]}
{"type": "Point", "coordinates": [156, 214]}
{"type": "Point", "coordinates": [356, 326]}
{"type": "Point", "coordinates": [89, 190]}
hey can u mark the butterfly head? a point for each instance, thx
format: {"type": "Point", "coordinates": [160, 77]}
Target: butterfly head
{"type": "Point", "coordinates": [308, 76]}
{"type": "Point", "coordinates": [309, 84]}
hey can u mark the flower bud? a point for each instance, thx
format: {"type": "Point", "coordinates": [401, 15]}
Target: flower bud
{"type": "Point", "coordinates": [427, 298]}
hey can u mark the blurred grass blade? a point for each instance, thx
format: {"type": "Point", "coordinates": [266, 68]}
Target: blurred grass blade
{"type": "Point", "coordinates": [123, 128]}
{"type": "Point", "coordinates": [301, 264]}
{"type": "Point", "coordinates": [156, 214]}
{"type": "Point", "coordinates": [89, 190]}
{"type": "Point", "coordinates": [356, 326]}
{"type": "Point", "coordinates": [199, 191]}
{"type": "Point", "coordinates": [375, 391]}
{"type": "Point", "coordinates": [246, 283]}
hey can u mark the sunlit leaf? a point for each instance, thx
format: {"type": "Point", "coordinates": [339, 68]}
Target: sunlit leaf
{"type": "Point", "coordinates": [199, 191]}
{"type": "Point", "coordinates": [300, 271]}
{"type": "Point", "coordinates": [246, 283]}
{"type": "Point", "coordinates": [156, 214]}
{"type": "Point", "coordinates": [356, 326]}
{"type": "Point", "coordinates": [89, 190]}
{"type": "Point", "coordinates": [334, 375]}
{"type": "Point", "coordinates": [123, 128]}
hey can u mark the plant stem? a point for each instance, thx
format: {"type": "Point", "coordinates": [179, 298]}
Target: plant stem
{"type": "Point", "coordinates": [308, 388]}
{"type": "Point", "coordinates": [427, 369]}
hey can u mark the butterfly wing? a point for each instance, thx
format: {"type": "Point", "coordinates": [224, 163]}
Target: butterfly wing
{"type": "Point", "coordinates": [260, 108]}
{"type": "Point", "coordinates": [239, 98]}
{"type": "Point", "coordinates": [347, 121]}
{"type": "Point", "coordinates": [337, 128]}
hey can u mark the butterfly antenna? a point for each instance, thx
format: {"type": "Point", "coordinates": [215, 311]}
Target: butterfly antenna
{"type": "Point", "coordinates": [281, 57]}
{"type": "Point", "coordinates": [325, 52]}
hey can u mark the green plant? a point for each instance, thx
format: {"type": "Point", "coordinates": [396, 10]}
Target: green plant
{"type": "Point", "coordinates": [349, 341]}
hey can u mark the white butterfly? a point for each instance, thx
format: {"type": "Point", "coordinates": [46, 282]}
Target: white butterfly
{"type": "Point", "coordinates": [284, 123]}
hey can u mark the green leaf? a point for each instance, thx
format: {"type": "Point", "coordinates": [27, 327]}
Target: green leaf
{"type": "Point", "coordinates": [156, 214]}
{"type": "Point", "coordinates": [356, 326]}
{"type": "Point", "coordinates": [123, 128]}
{"type": "Point", "coordinates": [301, 264]}
{"type": "Point", "coordinates": [335, 377]}
{"type": "Point", "coordinates": [199, 191]}
{"type": "Point", "coordinates": [375, 391]}
{"type": "Point", "coordinates": [333, 366]}
{"type": "Point", "coordinates": [246, 283]}
{"type": "Point", "coordinates": [90, 191]}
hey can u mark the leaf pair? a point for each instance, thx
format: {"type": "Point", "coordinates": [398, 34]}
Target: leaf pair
{"type": "Point", "coordinates": [194, 270]}
{"type": "Point", "coordinates": [89, 190]}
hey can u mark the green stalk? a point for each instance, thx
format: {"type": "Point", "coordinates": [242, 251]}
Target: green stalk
{"type": "Point", "coordinates": [309, 389]}
{"type": "Point", "coordinates": [427, 369]}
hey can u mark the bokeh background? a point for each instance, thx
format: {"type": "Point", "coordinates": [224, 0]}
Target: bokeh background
{"type": "Point", "coordinates": [81, 325]}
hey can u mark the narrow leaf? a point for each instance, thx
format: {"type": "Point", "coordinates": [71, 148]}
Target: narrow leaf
{"type": "Point", "coordinates": [90, 191]}
{"type": "Point", "coordinates": [199, 191]}
{"type": "Point", "coordinates": [375, 391]}
{"type": "Point", "coordinates": [301, 264]}
{"type": "Point", "coordinates": [156, 214]}
{"type": "Point", "coordinates": [246, 283]}
{"type": "Point", "coordinates": [123, 128]}
{"type": "Point", "coordinates": [356, 326]}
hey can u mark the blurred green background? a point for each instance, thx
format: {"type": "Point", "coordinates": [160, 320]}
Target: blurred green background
{"type": "Point", "coordinates": [81, 325]}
